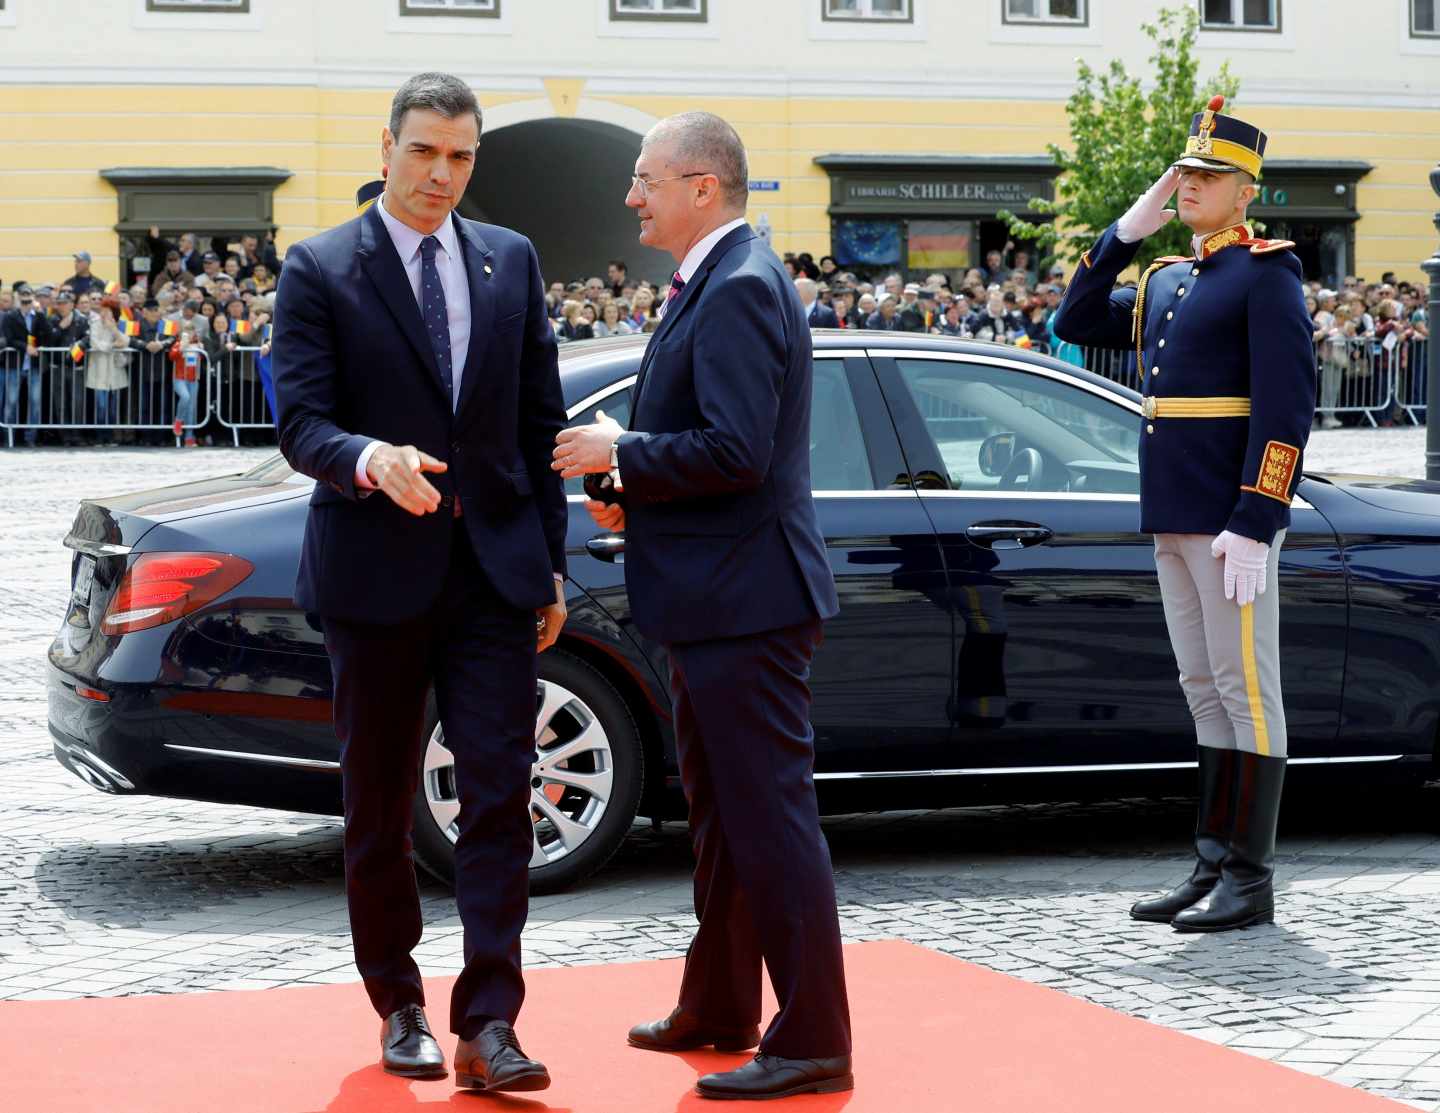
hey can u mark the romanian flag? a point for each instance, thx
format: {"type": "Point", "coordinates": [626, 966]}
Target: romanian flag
{"type": "Point", "coordinates": [240, 327]}
{"type": "Point", "coordinates": [77, 353]}
{"type": "Point", "coordinates": [167, 328]}
{"type": "Point", "coordinates": [127, 314]}
{"type": "Point", "coordinates": [1023, 341]}
{"type": "Point", "coordinates": [265, 332]}
{"type": "Point", "coordinates": [128, 327]}
{"type": "Point", "coordinates": [112, 288]}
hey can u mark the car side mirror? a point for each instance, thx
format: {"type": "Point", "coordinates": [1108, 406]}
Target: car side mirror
{"type": "Point", "coordinates": [996, 452]}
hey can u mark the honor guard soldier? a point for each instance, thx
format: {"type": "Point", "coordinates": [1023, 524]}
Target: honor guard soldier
{"type": "Point", "coordinates": [1223, 350]}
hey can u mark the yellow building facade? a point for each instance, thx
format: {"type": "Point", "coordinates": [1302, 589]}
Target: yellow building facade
{"type": "Point", "coordinates": [916, 118]}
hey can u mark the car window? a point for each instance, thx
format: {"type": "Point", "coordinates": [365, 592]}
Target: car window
{"type": "Point", "coordinates": [837, 446]}
{"type": "Point", "coordinates": [616, 405]}
{"type": "Point", "coordinates": [998, 428]}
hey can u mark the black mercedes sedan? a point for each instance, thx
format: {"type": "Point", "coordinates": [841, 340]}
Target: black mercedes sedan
{"type": "Point", "coordinates": [1000, 635]}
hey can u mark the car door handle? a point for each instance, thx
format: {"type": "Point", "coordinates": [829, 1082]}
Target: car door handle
{"type": "Point", "coordinates": [607, 546]}
{"type": "Point", "coordinates": [1008, 535]}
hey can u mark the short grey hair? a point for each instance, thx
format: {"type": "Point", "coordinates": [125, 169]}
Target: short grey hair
{"type": "Point", "coordinates": [438, 92]}
{"type": "Point", "coordinates": [804, 286]}
{"type": "Point", "coordinates": [705, 142]}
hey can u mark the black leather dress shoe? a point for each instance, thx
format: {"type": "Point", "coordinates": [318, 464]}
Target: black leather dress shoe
{"type": "Point", "coordinates": [407, 1047]}
{"type": "Point", "coordinates": [493, 1061]}
{"type": "Point", "coordinates": [679, 1032]}
{"type": "Point", "coordinates": [769, 1076]}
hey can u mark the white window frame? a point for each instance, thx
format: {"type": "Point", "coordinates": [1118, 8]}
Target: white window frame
{"type": "Point", "coordinates": [1028, 32]}
{"type": "Point", "coordinates": [1411, 44]}
{"type": "Point", "coordinates": [411, 9]}
{"type": "Point", "coordinates": [656, 14]}
{"type": "Point", "coordinates": [178, 19]}
{"type": "Point", "coordinates": [198, 7]}
{"type": "Point", "coordinates": [867, 14]}
{"type": "Point", "coordinates": [863, 28]}
{"type": "Point", "coordinates": [1237, 11]}
{"type": "Point", "coordinates": [1046, 20]}
{"type": "Point", "coordinates": [661, 26]}
{"type": "Point", "coordinates": [400, 22]}
{"type": "Point", "coordinates": [1423, 36]}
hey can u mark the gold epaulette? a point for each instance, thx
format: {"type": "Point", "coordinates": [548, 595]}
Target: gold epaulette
{"type": "Point", "coordinates": [1264, 247]}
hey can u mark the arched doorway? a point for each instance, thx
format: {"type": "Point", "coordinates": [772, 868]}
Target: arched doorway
{"type": "Point", "coordinates": [562, 182]}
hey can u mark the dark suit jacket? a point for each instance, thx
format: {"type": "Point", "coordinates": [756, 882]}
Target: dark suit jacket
{"type": "Point", "coordinates": [722, 535]}
{"type": "Point", "coordinates": [822, 316]}
{"type": "Point", "coordinates": [12, 327]}
{"type": "Point", "coordinates": [352, 362]}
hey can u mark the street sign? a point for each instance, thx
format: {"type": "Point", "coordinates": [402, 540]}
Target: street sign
{"type": "Point", "coordinates": [764, 185]}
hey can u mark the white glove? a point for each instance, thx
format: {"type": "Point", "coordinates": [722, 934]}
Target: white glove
{"type": "Point", "coordinates": [1245, 560]}
{"type": "Point", "coordinates": [1148, 215]}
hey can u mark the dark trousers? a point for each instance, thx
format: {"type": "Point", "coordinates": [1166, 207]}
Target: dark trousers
{"type": "Point", "coordinates": [479, 653]}
{"type": "Point", "coordinates": [764, 885]}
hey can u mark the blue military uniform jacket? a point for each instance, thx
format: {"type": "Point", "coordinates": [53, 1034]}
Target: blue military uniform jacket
{"type": "Point", "coordinates": [1227, 369]}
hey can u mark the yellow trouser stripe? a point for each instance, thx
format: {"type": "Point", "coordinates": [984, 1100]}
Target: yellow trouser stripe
{"type": "Point", "coordinates": [1252, 679]}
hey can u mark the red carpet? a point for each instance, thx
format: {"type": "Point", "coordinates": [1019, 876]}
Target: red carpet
{"type": "Point", "coordinates": [935, 1035]}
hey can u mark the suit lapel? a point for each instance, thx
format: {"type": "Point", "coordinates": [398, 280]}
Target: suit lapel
{"type": "Point", "coordinates": [480, 274]}
{"type": "Point", "coordinates": [381, 264]}
{"type": "Point", "coordinates": [678, 306]}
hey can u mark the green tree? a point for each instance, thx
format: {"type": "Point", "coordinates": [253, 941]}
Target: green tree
{"type": "Point", "coordinates": [1123, 138]}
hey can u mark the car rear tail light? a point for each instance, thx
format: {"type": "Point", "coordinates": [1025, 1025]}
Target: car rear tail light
{"type": "Point", "coordinates": [161, 587]}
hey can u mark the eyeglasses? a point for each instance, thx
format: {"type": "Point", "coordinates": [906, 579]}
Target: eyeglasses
{"type": "Point", "coordinates": [644, 185]}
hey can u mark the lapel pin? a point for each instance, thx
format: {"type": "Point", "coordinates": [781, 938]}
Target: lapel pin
{"type": "Point", "coordinates": [487, 269]}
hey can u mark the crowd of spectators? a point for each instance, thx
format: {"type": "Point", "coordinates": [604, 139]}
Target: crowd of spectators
{"type": "Point", "coordinates": [84, 354]}
{"type": "Point", "coordinates": [1367, 339]}
{"type": "Point", "coordinates": [1003, 302]}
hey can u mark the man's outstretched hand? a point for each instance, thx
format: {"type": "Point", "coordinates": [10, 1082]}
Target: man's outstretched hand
{"type": "Point", "coordinates": [399, 472]}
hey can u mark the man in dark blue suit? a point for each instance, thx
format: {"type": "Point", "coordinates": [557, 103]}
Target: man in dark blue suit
{"type": "Point", "coordinates": [817, 313]}
{"type": "Point", "coordinates": [726, 567]}
{"type": "Point", "coordinates": [416, 376]}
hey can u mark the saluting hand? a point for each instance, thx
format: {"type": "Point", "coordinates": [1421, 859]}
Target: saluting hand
{"type": "Point", "coordinates": [398, 472]}
{"type": "Point", "coordinates": [1149, 214]}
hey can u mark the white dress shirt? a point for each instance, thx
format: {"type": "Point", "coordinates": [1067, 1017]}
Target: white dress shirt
{"type": "Point", "coordinates": [697, 254]}
{"type": "Point", "coordinates": [453, 279]}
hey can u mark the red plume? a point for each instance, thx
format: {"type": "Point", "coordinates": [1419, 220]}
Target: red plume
{"type": "Point", "coordinates": [1217, 102]}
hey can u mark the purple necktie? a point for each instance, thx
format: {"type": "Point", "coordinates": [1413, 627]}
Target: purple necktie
{"type": "Point", "coordinates": [676, 285]}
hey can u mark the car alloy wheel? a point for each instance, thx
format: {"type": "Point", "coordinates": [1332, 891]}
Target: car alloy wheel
{"type": "Point", "coordinates": [570, 784]}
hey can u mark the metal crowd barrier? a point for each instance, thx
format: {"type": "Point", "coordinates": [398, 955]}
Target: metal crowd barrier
{"type": "Point", "coordinates": [242, 392]}
{"type": "Point", "coordinates": [54, 395]}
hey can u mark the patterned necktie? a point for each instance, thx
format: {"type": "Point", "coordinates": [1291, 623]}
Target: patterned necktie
{"type": "Point", "coordinates": [676, 285]}
{"type": "Point", "coordinates": [432, 308]}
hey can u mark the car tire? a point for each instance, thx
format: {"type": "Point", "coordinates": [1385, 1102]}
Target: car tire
{"type": "Point", "coordinates": [583, 804]}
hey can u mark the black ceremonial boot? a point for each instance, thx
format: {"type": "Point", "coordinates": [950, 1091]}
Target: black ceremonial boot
{"type": "Point", "coordinates": [1246, 893]}
{"type": "Point", "coordinates": [1212, 832]}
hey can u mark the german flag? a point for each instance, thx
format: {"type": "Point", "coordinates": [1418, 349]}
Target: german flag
{"type": "Point", "coordinates": [77, 353]}
{"type": "Point", "coordinates": [128, 327]}
{"type": "Point", "coordinates": [167, 328]}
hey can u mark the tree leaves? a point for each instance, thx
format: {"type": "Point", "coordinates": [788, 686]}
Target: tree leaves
{"type": "Point", "coordinates": [1122, 137]}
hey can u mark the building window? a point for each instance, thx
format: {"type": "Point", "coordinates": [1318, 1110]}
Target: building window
{"type": "Point", "coordinates": [485, 9]}
{"type": "Point", "coordinates": [855, 11]}
{"type": "Point", "coordinates": [1422, 20]}
{"type": "Point", "coordinates": [1240, 15]}
{"type": "Point", "coordinates": [241, 7]}
{"type": "Point", "coordinates": [1069, 13]}
{"type": "Point", "coordinates": [677, 11]}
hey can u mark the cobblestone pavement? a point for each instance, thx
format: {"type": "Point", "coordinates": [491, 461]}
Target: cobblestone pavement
{"type": "Point", "coordinates": [108, 895]}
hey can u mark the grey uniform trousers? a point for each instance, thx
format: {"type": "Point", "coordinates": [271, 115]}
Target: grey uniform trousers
{"type": "Point", "coordinates": [1229, 656]}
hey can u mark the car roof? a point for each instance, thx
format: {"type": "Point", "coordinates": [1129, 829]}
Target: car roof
{"type": "Point", "coordinates": [589, 366]}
